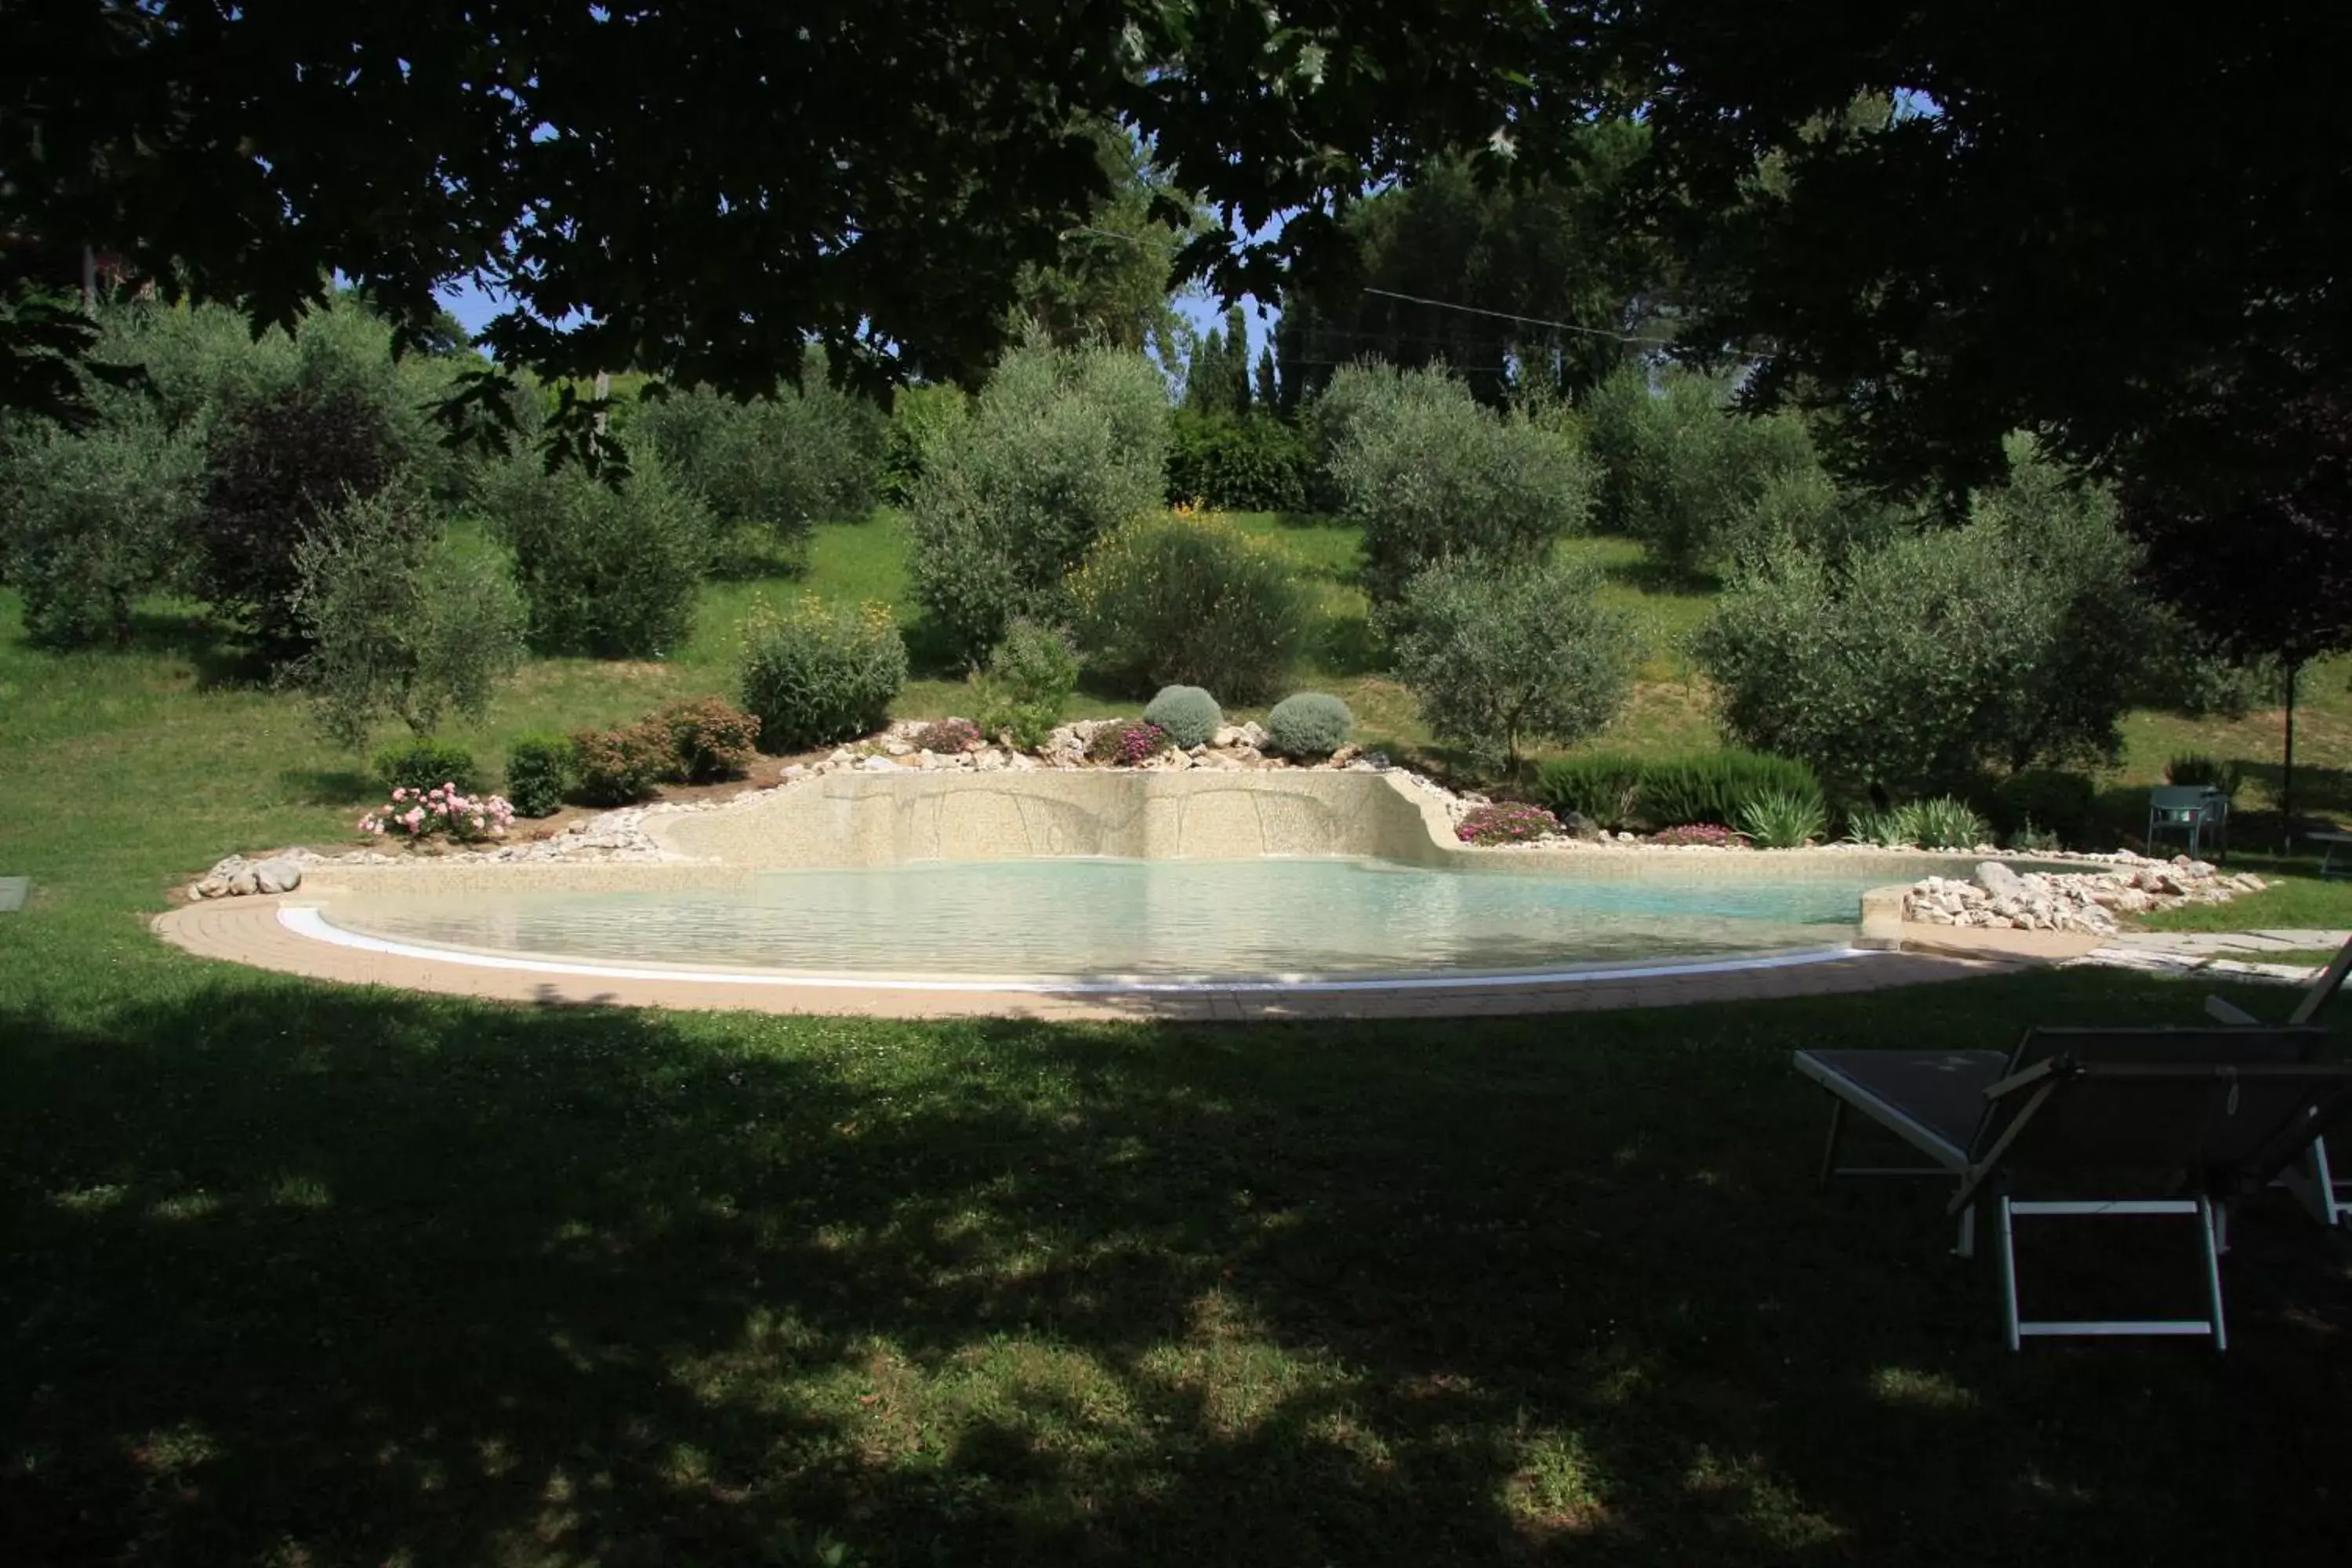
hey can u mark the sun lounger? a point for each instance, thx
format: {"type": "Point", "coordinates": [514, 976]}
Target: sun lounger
{"type": "Point", "coordinates": [2312, 1178]}
{"type": "Point", "coordinates": [2093, 1123]}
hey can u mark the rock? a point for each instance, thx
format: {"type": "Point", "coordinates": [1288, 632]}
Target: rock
{"type": "Point", "coordinates": [1227, 737]}
{"type": "Point", "coordinates": [796, 770]}
{"type": "Point", "coordinates": [897, 749]}
{"type": "Point", "coordinates": [842, 756]}
{"type": "Point", "coordinates": [878, 766]}
{"type": "Point", "coordinates": [1022, 763]}
{"type": "Point", "coordinates": [2001, 883]}
{"type": "Point", "coordinates": [1576, 825]}
{"type": "Point", "coordinates": [1346, 754]}
{"type": "Point", "coordinates": [989, 760]}
{"type": "Point", "coordinates": [1254, 735]}
{"type": "Point", "coordinates": [241, 884]}
{"type": "Point", "coordinates": [1623, 838]}
{"type": "Point", "coordinates": [277, 876]}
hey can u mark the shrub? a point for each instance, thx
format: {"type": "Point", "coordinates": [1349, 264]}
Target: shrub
{"type": "Point", "coordinates": [709, 739]}
{"type": "Point", "coordinates": [1124, 745]}
{"type": "Point", "coordinates": [1176, 599]}
{"type": "Point", "coordinates": [1511, 822]}
{"type": "Point", "coordinates": [1189, 715]}
{"type": "Point", "coordinates": [1945, 822]}
{"type": "Point", "coordinates": [1783, 819]}
{"type": "Point", "coordinates": [2062, 802]}
{"type": "Point", "coordinates": [2196, 768]}
{"type": "Point", "coordinates": [1245, 462]}
{"type": "Point", "coordinates": [440, 811]}
{"type": "Point", "coordinates": [1713, 786]}
{"type": "Point", "coordinates": [398, 621]}
{"type": "Point", "coordinates": [621, 766]}
{"type": "Point", "coordinates": [1603, 787]}
{"type": "Point", "coordinates": [275, 469]}
{"type": "Point", "coordinates": [921, 417]}
{"type": "Point", "coordinates": [1711, 834]}
{"type": "Point", "coordinates": [1062, 447]}
{"type": "Point", "coordinates": [540, 773]}
{"type": "Point", "coordinates": [2031, 839]}
{"type": "Point", "coordinates": [778, 463]}
{"type": "Point", "coordinates": [423, 763]}
{"type": "Point", "coordinates": [1431, 475]}
{"type": "Point", "coordinates": [949, 737]}
{"type": "Point", "coordinates": [1685, 473]}
{"type": "Point", "coordinates": [609, 569]}
{"type": "Point", "coordinates": [1499, 655]}
{"type": "Point", "coordinates": [818, 674]}
{"type": "Point", "coordinates": [2011, 642]}
{"type": "Point", "coordinates": [1029, 679]}
{"type": "Point", "coordinates": [93, 521]}
{"type": "Point", "coordinates": [1308, 725]}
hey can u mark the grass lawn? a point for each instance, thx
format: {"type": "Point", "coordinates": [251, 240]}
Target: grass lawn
{"type": "Point", "coordinates": [293, 1274]}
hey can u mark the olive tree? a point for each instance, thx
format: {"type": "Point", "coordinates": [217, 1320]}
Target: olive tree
{"type": "Point", "coordinates": [401, 622]}
{"type": "Point", "coordinates": [1500, 655]}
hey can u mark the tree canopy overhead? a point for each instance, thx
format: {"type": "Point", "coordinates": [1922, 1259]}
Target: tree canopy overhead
{"type": "Point", "coordinates": [2082, 220]}
{"type": "Point", "coordinates": [694, 189]}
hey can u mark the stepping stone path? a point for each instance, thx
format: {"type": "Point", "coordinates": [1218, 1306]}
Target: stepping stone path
{"type": "Point", "coordinates": [12, 893]}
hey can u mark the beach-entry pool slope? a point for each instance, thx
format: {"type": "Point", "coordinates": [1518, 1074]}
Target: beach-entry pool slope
{"type": "Point", "coordinates": [1086, 919]}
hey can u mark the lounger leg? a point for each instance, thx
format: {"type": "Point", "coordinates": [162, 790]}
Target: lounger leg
{"type": "Point", "coordinates": [1829, 1150]}
{"type": "Point", "coordinates": [2210, 1229]}
{"type": "Point", "coordinates": [2009, 1277]}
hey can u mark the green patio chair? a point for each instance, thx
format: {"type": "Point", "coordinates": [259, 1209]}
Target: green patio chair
{"type": "Point", "coordinates": [2197, 812]}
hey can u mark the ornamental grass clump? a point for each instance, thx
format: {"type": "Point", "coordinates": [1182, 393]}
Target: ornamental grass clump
{"type": "Point", "coordinates": [1125, 746]}
{"type": "Point", "coordinates": [1945, 822]}
{"type": "Point", "coordinates": [442, 812]}
{"type": "Point", "coordinates": [1783, 819]}
{"type": "Point", "coordinates": [1510, 822]}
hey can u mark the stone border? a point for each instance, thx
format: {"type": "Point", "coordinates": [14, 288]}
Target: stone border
{"type": "Point", "coordinates": [250, 930]}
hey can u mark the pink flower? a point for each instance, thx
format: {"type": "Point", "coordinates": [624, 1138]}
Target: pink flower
{"type": "Point", "coordinates": [400, 794]}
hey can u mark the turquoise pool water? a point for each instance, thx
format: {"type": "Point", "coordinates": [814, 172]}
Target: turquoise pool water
{"type": "Point", "coordinates": [1163, 919]}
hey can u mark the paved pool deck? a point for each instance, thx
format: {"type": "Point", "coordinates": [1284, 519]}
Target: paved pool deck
{"type": "Point", "coordinates": [250, 930]}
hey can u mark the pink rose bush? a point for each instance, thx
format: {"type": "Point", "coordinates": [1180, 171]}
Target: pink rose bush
{"type": "Point", "coordinates": [418, 815]}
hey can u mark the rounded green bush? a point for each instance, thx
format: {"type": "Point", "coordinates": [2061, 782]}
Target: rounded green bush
{"type": "Point", "coordinates": [426, 764]}
{"type": "Point", "coordinates": [818, 674]}
{"type": "Point", "coordinates": [1182, 599]}
{"type": "Point", "coordinates": [539, 773]}
{"type": "Point", "coordinates": [1189, 715]}
{"type": "Point", "coordinates": [1308, 724]}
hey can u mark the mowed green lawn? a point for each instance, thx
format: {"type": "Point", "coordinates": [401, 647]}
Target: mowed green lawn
{"type": "Point", "coordinates": [293, 1274]}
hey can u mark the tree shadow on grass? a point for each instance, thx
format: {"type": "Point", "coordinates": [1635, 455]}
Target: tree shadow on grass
{"type": "Point", "coordinates": [340, 1275]}
{"type": "Point", "coordinates": [330, 786]}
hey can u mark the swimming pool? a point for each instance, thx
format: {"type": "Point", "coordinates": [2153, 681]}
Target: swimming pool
{"type": "Point", "coordinates": [1087, 918]}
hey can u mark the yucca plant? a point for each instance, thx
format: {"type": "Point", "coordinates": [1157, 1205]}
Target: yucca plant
{"type": "Point", "coordinates": [1943, 823]}
{"type": "Point", "coordinates": [1783, 819]}
{"type": "Point", "coordinates": [1883, 828]}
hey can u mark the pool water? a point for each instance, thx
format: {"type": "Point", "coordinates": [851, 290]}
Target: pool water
{"type": "Point", "coordinates": [1077, 918]}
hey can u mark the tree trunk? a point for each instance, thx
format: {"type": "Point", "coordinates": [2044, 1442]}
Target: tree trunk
{"type": "Point", "coordinates": [2286, 767]}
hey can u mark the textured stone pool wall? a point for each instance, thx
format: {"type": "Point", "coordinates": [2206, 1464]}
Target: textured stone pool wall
{"type": "Point", "coordinates": [850, 820]}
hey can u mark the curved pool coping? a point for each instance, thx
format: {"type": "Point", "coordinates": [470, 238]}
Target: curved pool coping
{"type": "Point", "coordinates": [258, 932]}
